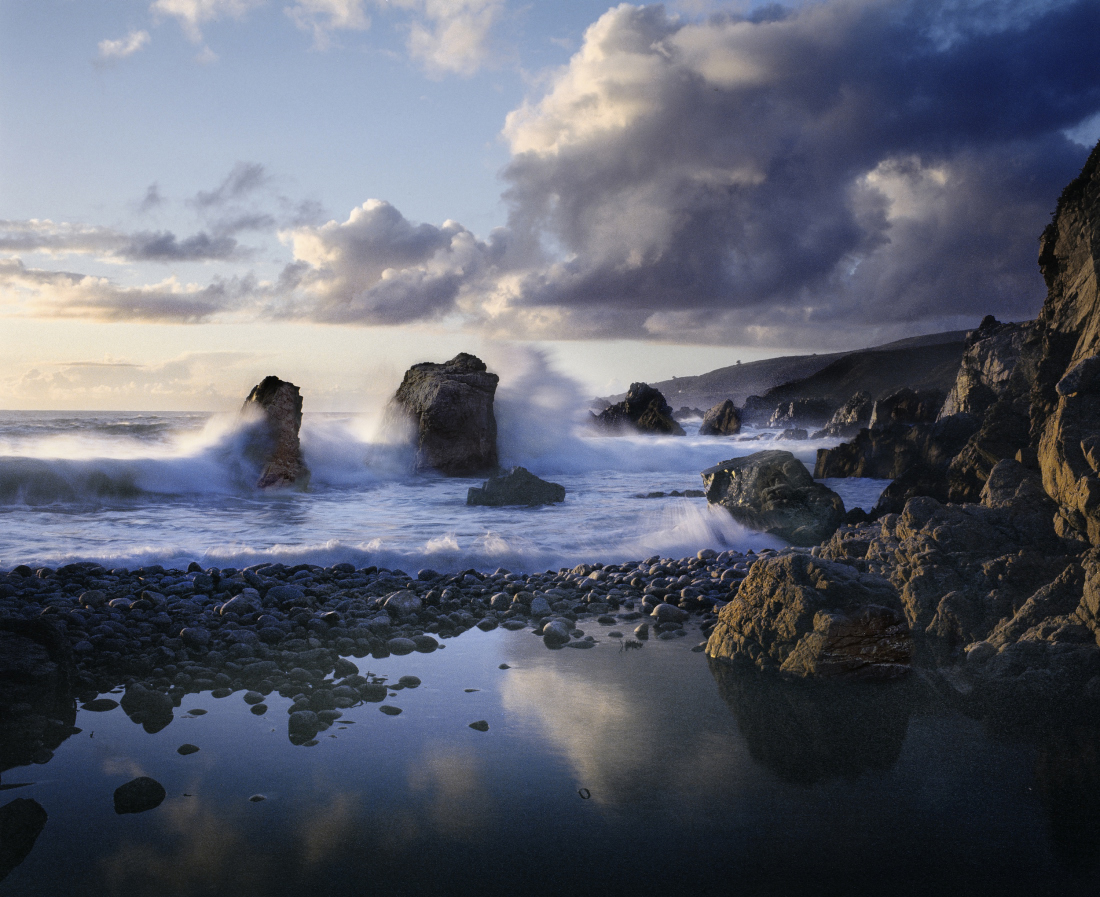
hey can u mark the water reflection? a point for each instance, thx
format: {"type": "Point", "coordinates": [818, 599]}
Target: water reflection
{"type": "Point", "coordinates": [1067, 777]}
{"type": "Point", "coordinates": [811, 732]}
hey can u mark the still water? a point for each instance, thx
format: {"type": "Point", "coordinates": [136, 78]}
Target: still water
{"type": "Point", "coordinates": [605, 771]}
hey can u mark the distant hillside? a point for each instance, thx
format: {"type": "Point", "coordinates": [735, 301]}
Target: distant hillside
{"type": "Point", "coordinates": [922, 361]}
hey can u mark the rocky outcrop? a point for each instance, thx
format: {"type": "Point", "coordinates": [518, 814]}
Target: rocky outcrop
{"type": "Point", "coordinates": [448, 409]}
{"type": "Point", "coordinates": [279, 448]}
{"type": "Point", "coordinates": [849, 418]}
{"type": "Point", "coordinates": [722, 420]}
{"type": "Point", "coordinates": [814, 619]}
{"type": "Point", "coordinates": [990, 357]}
{"type": "Point", "coordinates": [644, 410]}
{"type": "Point", "coordinates": [516, 487]}
{"type": "Point", "coordinates": [811, 413]}
{"type": "Point", "coordinates": [685, 413]}
{"type": "Point", "coordinates": [906, 407]}
{"type": "Point", "coordinates": [773, 492]}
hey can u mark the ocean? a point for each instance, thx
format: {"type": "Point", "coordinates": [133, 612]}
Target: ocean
{"type": "Point", "coordinates": [129, 489]}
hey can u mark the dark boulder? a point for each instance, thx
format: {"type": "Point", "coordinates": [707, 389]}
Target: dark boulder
{"type": "Point", "coordinates": [21, 822]}
{"type": "Point", "coordinates": [139, 795]}
{"type": "Point", "coordinates": [722, 420]}
{"type": "Point", "coordinates": [773, 492]}
{"type": "Point", "coordinates": [644, 410]}
{"type": "Point", "coordinates": [814, 619]}
{"type": "Point", "coordinates": [278, 446]}
{"type": "Point", "coordinates": [516, 487]}
{"type": "Point", "coordinates": [448, 409]}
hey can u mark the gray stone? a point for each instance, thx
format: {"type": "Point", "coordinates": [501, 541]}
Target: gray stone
{"type": "Point", "coordinates": [401, 646]}
{"type": "Point", "coordinates": [403, 603]}
{"type": "Point", "coordinates": [773, 492]}
{"type": "Point", "coordinates": [517, 487]}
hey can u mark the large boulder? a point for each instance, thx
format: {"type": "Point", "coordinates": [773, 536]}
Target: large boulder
{"type": "Point", "coordinates": [773, 492]}
{"type": "Point", "coordinates": [643, 410]}
{"type": "Point", "coordinates": [449, 410]}
{"type": "Point", "coordinates": [722, 420]}
{"type": "Point", "coordinates": [516, 487]}
{"type": "Point", "coordinates": [281, 405]}
{"type": "Point", "coordinates": [814, 619]}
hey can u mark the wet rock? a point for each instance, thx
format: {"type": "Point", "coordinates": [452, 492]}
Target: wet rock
{"type": "Point", "coordinates": [556, 633]}
{"type": "Point", "coordinates": [184, 749]}
{"type": "Point", "coordinates": [849, 418]}
{"type": "Point", "coordinates": [773, 492]}
{"type": "Point", "coordinates": [304, 723]}
{"type": "Point", "coordinates": [21, 822]}
{"type": "Point", "coordinates": [516, 487]}
{"type": "Point", "coordinates": [814, 619]}
{"type": "Point", "coordinates": [277, 442]}
{"type": "Point", "coordinates": [403, 603]}
{"type": "Point", "coordinates": [906, 407]}
{"type": "Point", "coordinates": [722, 420]}
{"type": "Point", "coordinates": [644, 410]}
{"type": "Point", "coordinates": [400, 646]}
{"type": "Point", "coordinates": [390, 710]}
{"type": "Point", "coordinates": [139, 795]}
{"type": "Point", "coordinates": [449, 408]}
{"type": "Point", "coordinates": [480, 726]}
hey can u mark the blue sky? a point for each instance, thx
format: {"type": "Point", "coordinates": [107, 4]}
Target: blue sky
{"type": "Point", "coordinates": [196, 193]}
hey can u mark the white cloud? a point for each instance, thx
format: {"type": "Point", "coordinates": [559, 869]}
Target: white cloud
{"type": "Point", "coordinates": [450, 36]}
{"type": "Point", "coordinates": [192, 14]}
{"type": "Point", "coordinates": [110, 50]}
{"type": "Point", "coordinates": [322, 17]}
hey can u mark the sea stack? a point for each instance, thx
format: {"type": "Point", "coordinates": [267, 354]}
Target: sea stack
{"type": "Point", "coordinates": [281, 403]}
{"type": "Point", "coordinates": [450, 409]}
{"type": "Point", "coordinates": [644, 409]}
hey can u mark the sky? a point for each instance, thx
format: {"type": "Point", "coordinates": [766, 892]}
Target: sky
{"type": "Point", "coordinates": [195, 194]}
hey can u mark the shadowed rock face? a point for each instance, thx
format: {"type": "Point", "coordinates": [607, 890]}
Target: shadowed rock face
{"type": "Point", "coordinates": [850, 417]}
{"type": "Point", "coordinates": [517, 487]}
{"type": "Point", "coordinates": [644, 409]}
{"type": "Point", "coordinates": [21, 822]}
{"type": "Point", "coordinates": [772, 491]}
{"type": "Point", "coordinates": [814, 619]}
{"type": "Point", "coordinates": [722, 420]}
{"type": "Point", "coordinates": [281, 403]}
{"type": "Point", "coordinates": [450, 409]}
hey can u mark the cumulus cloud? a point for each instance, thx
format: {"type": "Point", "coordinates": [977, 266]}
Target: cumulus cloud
{"type": "Point", "coordinates": [451, 36]}
{"type": "Point", "coordinates": [112, 50]}
{"type": "Point", "coordinates": [884, 163]}
{"type": "Point", "coordinates": [34, 292]}
{"type": "Point", "coordinates": [322, 17]}
{"type": "Point", "coordinates": [193, 14]}
{"type": "Point", "coordinates": [377, 267]}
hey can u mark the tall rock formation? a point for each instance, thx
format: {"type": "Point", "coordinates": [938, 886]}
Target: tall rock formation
{"type": "Point", "coordinates": [644, 409]}
{"type": "Point", "coordinates": [722, 420]}
{"type": "Point", "coordinates": [279, 448]}
{"type": "Point", "coordinates": [449, 408]}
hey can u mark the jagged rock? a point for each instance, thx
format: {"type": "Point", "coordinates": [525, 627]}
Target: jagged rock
{"type": "Point", "coordinates": [793, 433]}
{"type": "Point", "coordinates": [281, 404]}
{"type": "Point", "coordinates": [685, 413]}
{"type": "Point", "coordinates": [772, 491]}
{"type": "Point", "coordinates": [812, 618]}
{"type": "Point", "coordinates": [758, 410]}
{"type": "Point", "coordinates": [517, 487]}
{"type": "Point", "coordinates": [449, 408]}
{"type": "Point", "coordinates": [722, 420]}
{"type": "Point", "coordinates": [644, 409]}
{"type": "Point", "coordinates": [906, 406]}
{"type": "Point", "coordinates": [992, 351]}
{"type": "Point", "coordinates": [890, 452]}
{"type": "Point", "coordinates": [802, 413]}
{"type": "Point", "coordinates": [849, 418]}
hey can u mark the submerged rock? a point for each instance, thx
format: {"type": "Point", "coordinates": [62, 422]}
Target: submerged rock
{"type": "Point", "coordinates": [281, 404]}
{"type": "Point", "coordinates": [516, 487]}
{"type": "Point", "coordinates": [450, 410]}
{"type": "Point", "coordinates": [644, 409]}
{"type": "Point", "coordinates": [139, 795]}
{"type": "Point", "coordinates": [812, 618]}
{"type": "Point", "coordinates": [773, 492]}
{"type": "Point", "coordinates": [21, 822]}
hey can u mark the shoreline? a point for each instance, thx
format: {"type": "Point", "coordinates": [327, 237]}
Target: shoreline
{"type": "Point", "coordinates": [162, 634]}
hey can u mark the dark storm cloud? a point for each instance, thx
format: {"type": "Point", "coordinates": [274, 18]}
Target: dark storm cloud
{"type": "Point", "coordinates": [876, 163]}
{"type": "Point", "coordinates": [110, 244]}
